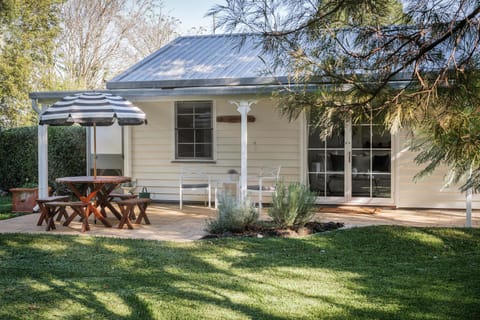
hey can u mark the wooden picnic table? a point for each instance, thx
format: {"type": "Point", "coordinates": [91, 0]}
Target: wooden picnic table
{"type": "Point", "coordinates": [99, 188]}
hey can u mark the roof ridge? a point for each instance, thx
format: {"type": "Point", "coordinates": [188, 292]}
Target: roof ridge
{"type": "Point", "coordinates": [221, 35]}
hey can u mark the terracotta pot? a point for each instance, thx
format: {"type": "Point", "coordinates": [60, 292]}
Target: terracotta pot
{"type": "Point", "coordinates": [23, 199]}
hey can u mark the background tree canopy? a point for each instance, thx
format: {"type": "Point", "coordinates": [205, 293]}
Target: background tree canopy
{"type": "Point", "coordinates": [71, 45]}
{"type": "Point", "coordinates": [378, 58]}
{"type": "Point", "coordinates": [28, 31]}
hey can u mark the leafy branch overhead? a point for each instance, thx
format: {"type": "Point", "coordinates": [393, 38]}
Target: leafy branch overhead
{"type": "Point", "coordinates": [381, 54]}
{"type": "Point", "coordinates": [414, 66]}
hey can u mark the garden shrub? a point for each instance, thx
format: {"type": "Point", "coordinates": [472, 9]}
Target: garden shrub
{"type": "Point", "coordinates": [19, 155]}
{"type": "Point", "coordinates": [66, 154]}
{"type": "Point", "coordinates": [293, 205]}
{"type": "Point", "coordinates": [233, 216]}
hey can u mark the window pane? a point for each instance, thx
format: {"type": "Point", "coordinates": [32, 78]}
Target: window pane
{"type": "Point", "coordinates": [317, 183]}
{"type": "Point", "coordinates": [203, 151]}
{"type": "Point", "coordinates": [316, 160]}
{"type": "Point", "coordinates": [185, 135]}
{"type": "Point", "coordinates": [204, 107]}
{"type": "Point", "coordinates": [336, 161]}
{"type": "Point", "coordinates": [335, 185]}
{"type": "Point", "coordinates": [381, 162]}
{"type": "Point", "coordinates": [203, 136]}
{"type": "Point", "coordinates": [360, 162]}
{"type": "Point", "coordinates": [381, 186]}
{"type": "Point", "coordinates": [361, 185]}
{"type": "Point", "coordinates": [203, 121]}
{"type": "Point", "coordinates": [185, 150]}
{"type": "Point", "coordinates": [361, 136]}
{"type": "Point", "coordinates": [185, 121]}
{"type": "Point", "coordinates": [314, 139]}
{"type": "Point", "coordinates": [184, 108]}
{"type": "Point", "coordinates": [380, 137]}
{"type": "Point", "coordinates": [336, 140]}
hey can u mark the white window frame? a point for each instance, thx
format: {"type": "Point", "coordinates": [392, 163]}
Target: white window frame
{"type": "Point", "coordinates": [213, 130]}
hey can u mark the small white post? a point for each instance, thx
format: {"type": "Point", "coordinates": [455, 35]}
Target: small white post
{"type": "Point", "coordinates": [468, 223]}
{"type": "Point", "coordinates": [469, 195]}
{"type": "Point", "coordinates": [243, 107]}
{"type": "Point", "coordinates": [42, 155]}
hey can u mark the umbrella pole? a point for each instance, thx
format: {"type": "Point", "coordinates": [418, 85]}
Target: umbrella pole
{"type": "Point", "coordinates": [94, 150]}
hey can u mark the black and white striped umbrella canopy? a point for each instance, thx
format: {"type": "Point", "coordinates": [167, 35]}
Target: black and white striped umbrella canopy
{"type": "Point", "coordinates": [92, 108]}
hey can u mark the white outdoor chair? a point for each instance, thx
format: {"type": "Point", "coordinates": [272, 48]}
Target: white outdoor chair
{"type": "Point", "coordinates": [195, 180]}
{"type": "Point", "coordinates": [266, 183]}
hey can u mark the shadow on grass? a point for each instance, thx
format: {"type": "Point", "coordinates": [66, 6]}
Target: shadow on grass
{"type": "Point", "coordinates": [364, 273]}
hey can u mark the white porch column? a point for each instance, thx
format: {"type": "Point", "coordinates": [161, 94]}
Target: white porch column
{"type": "Point", "coordinates": [127, 147]}
{"type": "Point", "coordinates": [42, 155]}
{"type": "Point", "coordinates": [88, 151]}
{"type": "Point", "coordinates": [243, 106]}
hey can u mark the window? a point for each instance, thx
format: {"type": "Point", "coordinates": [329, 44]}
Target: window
{"type": "Point", "coordinates": [193, 130]}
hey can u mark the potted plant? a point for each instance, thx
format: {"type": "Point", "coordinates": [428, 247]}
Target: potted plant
{"type": "Point", "coordinates": [24, 198]}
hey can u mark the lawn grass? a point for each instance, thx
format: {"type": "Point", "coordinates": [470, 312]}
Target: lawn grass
{"type": "Point", "coordinates": [6, 209]}
{"type": "Point", "coordinates": [360, 273]}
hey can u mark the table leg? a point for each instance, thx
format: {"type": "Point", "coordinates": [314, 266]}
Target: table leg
{"type": "Point", "coordinates": [91, 207]}
{"type": "Point", "coordinates": [43, 214]}
{"type": "Point", "coordinates": [103, 201]}
{"type": "Point", "coordinates": [86, 214]}
{"type": "Point", "coordinates": [98, 215]}
{"type": "Point", "coordinates": [126, 210]}
{"type": "Point", "coordinates": [142, 214]}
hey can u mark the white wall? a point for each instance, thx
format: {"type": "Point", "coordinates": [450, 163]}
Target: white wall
{"type": "Point", "coordinates": [428, 192]}
{"type": "Point", "coordinates": [272, 141]}
{"type": "Point", "coordinates": [109, 139]}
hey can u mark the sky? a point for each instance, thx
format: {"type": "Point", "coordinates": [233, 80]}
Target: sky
{"type": "Point", "coordinates": [191, 13]}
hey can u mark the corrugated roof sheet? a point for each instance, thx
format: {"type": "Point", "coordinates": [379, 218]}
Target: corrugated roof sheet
{"type": "Point", "coordinates": [213, 60]}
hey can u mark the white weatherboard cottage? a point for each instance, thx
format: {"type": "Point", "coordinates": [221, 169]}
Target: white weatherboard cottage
{"type": "Point", "coordinates": [197, 93]}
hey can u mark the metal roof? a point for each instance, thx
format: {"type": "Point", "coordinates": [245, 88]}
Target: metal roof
{"type": "Point", "coordinates": [199, 61]}
{"type": "Point", "coordinates": [213, 65]}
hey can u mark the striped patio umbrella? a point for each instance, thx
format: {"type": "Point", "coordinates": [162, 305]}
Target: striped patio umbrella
{"type": "Point", "coordinates": [92, 109]}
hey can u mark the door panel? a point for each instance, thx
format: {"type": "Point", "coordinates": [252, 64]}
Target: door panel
{"type": "Point", "coordinates": [353, 166]}
{"type": "Point", "coordinates": [371, 161]}
{"type": "Point", "coordinates": [326, 164]}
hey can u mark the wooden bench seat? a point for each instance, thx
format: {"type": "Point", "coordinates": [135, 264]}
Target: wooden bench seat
{"type": "Point", "coordinates": [128, 211]}
{"type": "Point", "coordinates": [110, 199]}
{"type": "Point", "coordinates": [43, 213]}
{"type": "Point", "coordinates": [78, 207]}
{"type": "Point", "coordinates": [122, 196]}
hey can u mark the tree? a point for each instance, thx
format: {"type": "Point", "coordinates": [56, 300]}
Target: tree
{"type": "Point", "coordinates": [28, 30]}
{"type": "Point", "coordinates": [100, 38]}
{"type": "Point", "coordinates": [149, 33]}
{"type": "Point", "coordinates": [413, 69]}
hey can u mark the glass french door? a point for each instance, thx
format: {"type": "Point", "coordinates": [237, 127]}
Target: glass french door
{"type": "Point", "coordinates": [326, 162]}
{"type": "Point", "coordinates": [353, 164]}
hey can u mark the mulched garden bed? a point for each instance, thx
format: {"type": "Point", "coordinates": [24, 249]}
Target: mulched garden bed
{"type": "Point", "coordinates": [262, 231]}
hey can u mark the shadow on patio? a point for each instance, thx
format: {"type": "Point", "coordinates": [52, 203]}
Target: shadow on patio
{"type": "Point", "coordinates": [169, 223]}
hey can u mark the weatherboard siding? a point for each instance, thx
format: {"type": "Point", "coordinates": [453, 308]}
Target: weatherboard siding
{"type": "Point", "coordinates": [272, 141]}
{"type": "Point", "coordinates": [427, 192]}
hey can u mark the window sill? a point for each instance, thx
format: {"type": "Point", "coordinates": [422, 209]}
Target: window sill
{"type": "Point", "coordinates": [193, 161]}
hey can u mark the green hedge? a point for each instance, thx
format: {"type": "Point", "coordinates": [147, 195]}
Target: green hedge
{"type": "Point", "coordinates": [19, 155]}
